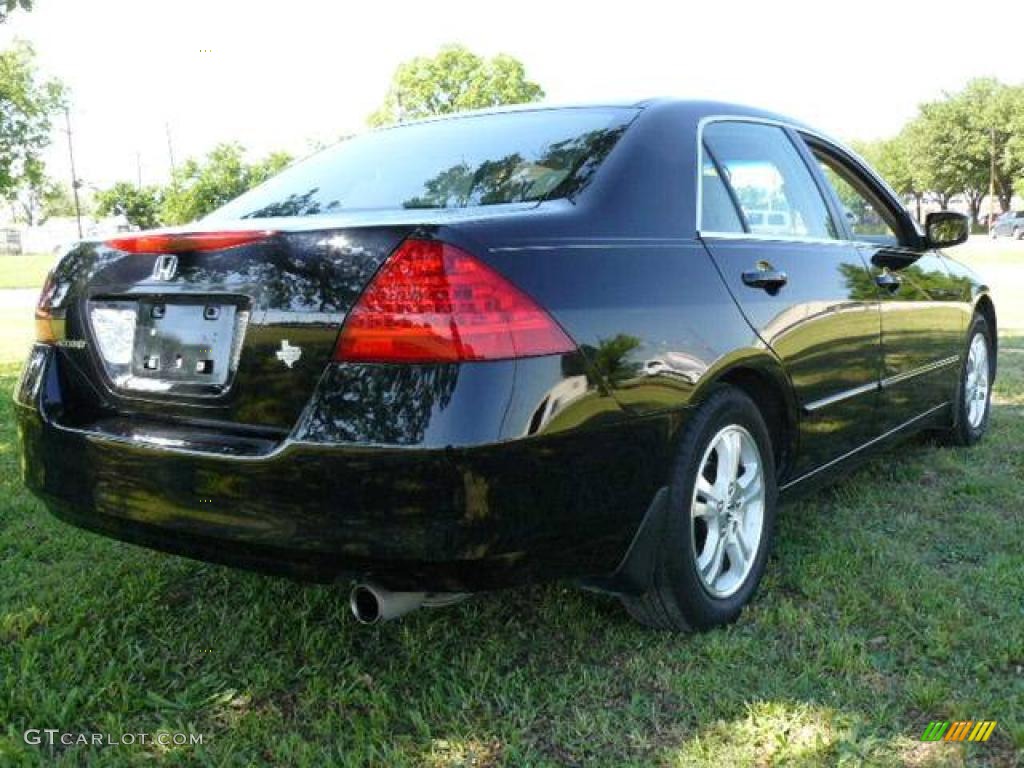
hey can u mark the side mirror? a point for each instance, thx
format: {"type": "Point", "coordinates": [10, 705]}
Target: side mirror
{"type": "Point", "coordinates": [944, 229]}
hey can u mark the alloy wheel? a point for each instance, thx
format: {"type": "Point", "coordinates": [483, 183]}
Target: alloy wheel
{"type": "Point", "coordinates": [727, 511]}
{"type": "Point", "coordinates": [976, 385]}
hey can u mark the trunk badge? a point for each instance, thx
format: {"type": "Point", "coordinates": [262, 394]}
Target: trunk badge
{"type": "Point", "coordinates": [166, 267]}
{"type": "Point", "coordinates": [288, 354]}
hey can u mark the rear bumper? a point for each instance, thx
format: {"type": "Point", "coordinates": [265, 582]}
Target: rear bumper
{"type": "Point", "coordinates": [565, 505]}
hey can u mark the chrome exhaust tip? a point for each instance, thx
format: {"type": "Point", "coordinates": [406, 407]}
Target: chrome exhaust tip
{"type": "Point", "coordinates": [371, 604]}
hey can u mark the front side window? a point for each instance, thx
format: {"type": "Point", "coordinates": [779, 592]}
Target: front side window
{"type": "Point", "coordinates": [488, 159]}
{"type": "Point", "coordinates": [867, 218]}
{"type": "Point", "coordinates": [776, 193]}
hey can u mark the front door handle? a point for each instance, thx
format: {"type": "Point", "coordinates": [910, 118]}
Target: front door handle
{"type": "Point", "coordinates": [889, 280]}
{"type": "Point", "coordinates": [766, 277]}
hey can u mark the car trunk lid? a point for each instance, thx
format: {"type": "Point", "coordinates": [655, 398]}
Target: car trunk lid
{"type": "Point", "coordinates": [232, 335]}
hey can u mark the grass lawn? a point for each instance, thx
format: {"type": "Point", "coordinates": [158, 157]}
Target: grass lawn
{"type": "Point", "coordinates": [17, 331]}
{"type": "Point", "coordinates": [981, 249]}
{"type": "Point", "coordinates": [891, 600]}
{"type": "Point", "coordinates": [25, 271]}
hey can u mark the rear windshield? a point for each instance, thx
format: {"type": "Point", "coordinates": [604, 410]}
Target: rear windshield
{"type": "Point", "coordinates": [510, 157]}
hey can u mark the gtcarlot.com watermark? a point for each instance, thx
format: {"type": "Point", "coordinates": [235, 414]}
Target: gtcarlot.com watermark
{"type": "Point", "coordinates": [53, 737]}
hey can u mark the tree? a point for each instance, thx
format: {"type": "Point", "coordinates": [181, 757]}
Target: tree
{"type": "Point", "coordinates": [6, 6]}
{"type": "Point", "coordinates": [957, 138]}
{"type": "Point", "coordinates": [140, 206]}
{"type": "Point", "coordinates": [893, 158]}
{"type": "Point", "coordinates": [1008, 144]}
{"type": "Point", "coordinates": [39, 199]}
{"type": "Point", "coordinates": [199, 187]}
{"type": "Point", "coordinates": [1015, 150]}
{"type": "Point", "coordinates": [27, 103]}
{"type": "Point", "coordinates": [454, 80]}
{"type": "Point", "coordinates": [947, 152]}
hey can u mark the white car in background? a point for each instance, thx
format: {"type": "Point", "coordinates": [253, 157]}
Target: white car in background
{"type": "Point", "coordinates": [770, 222]}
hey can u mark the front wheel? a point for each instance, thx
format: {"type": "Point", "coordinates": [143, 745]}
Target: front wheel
{"type": "Point", "coordinates": [974, 393]}
{"type": "Point", "coordinates": [721, 515]}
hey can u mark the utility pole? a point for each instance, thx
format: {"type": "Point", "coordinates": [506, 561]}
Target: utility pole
{"type": "Point", "coordinates": [992, 183]}
{"type": "Point", "coordinates": [138, 169]}
{"type": "Point", "coordinates": [170, 150]}
{"type": "Point", "coordinates": [74, 176]}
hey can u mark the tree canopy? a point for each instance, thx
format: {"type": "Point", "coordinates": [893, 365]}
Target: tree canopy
{"type": "Point", "coordinates": [27, 104]}
{"type": "Point", "coordinates": [40, 199]}
{"type": "Point", "coordinates": [454, 80]}
{"type": "Point", "coordinates": [949, 147]}
{"type": "Point", "coordinates": [200, 186]}
{"type": "Point", "coordinates": [139, 205]}
{"type": "Point", "coordinates": [6, 6]}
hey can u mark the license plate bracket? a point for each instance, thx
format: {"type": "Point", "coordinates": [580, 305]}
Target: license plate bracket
{"type": "Point", "coordinates": [184, 343]}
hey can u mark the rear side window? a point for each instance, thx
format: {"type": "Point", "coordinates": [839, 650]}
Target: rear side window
{"type": "Point", "coordinates": [718, 211]}
{"type": "Point", "coordinates": [511, 157]}
{"type": "Point", "coordinates": [775, 191]}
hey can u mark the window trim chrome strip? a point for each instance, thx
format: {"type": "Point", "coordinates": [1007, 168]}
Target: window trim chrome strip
{"type": "Point", "coordinates": [899, 378]}
{"type": "Point", "coordinates": [877, 386]}
{"type": "Point", "coordinates": [758, 237]}
{"type": "Point", "coordinates": [846, 394]}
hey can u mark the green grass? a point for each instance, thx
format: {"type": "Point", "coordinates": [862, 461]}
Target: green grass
{"type": "Point", "coordinates": [25, 271]}
{"type": "Point", "coordinates": [892, 599]}
{"type": "Point", "coordinates": [981, 250]}
{"type": "Point", "coordinates": [1000, 263]}
{"type": "Point", "coordinates": [17, 330]}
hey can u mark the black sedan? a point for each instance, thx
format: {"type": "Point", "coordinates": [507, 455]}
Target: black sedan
{"type": "Point", "coordinates": [593, 343]}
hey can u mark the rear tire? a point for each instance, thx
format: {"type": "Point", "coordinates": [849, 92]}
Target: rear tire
{"type": "Point", "coordinates": [1018, 233]}
{"type": "Point", "coordinates": [973, 401]}
{"type": "Point", "coordinates": [719, 525]}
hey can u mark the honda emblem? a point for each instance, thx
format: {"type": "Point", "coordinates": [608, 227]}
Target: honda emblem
{"type": "Point", "coordinates": [166, 267]}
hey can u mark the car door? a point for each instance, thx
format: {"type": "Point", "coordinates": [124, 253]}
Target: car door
{"type": "Point", "coordinates": [764, 218]}
{"type": "Point", "coordinates": [922, 317]}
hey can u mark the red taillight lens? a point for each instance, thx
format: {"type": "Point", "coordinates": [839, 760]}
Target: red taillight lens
{"type": "Point", "coordinates": [432, 302]}
{"type": "Point", "coordinates": [185, 242]}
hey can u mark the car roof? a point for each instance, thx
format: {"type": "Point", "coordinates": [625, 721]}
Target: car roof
{"type": "Point", "coordinates": [697, 109]}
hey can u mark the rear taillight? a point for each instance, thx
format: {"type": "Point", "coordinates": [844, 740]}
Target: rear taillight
{"type": "Point", "coordinates": [185, 242]}
{"type": "Point", "coordinates": [46, 332]}
{"type": "Point", "coordinates": [432, 302]}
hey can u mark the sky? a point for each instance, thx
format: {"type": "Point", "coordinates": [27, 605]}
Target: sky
{"type": "Point", "coordinates": [284, 74]}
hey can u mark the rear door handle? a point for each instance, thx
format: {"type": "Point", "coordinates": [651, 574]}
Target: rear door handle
{"type": "Point", "coordinates": [769, 279]}
{"type": "Point", "coordinates": [889, 280]}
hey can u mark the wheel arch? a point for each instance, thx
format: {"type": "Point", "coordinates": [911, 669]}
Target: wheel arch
{"type": "Point", "coordinates": [763, 379]}
{"type": "Point", "coordinates": [984, 307]}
